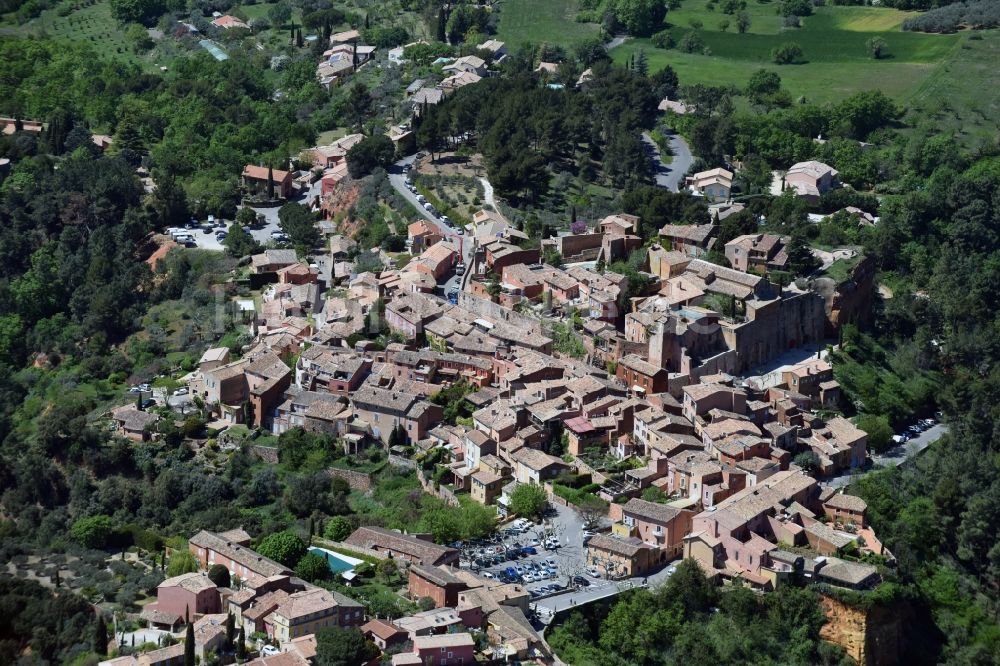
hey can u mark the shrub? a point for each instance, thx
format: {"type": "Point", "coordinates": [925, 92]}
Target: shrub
{"type": "Point", "coordinates": [787, 53]}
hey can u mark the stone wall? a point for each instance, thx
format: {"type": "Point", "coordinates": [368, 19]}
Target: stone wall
{"type": "Point", "coordinates": [356, 480]}
{"type": "Point", "coordinates": [268, 454]}
{"type": "Point", "coordinates": [796, 319]}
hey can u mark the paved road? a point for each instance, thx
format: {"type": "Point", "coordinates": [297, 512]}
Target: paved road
{"type": "Point", "coordinates": [397, 178]}
{"type": "Point", "coordinates": [670, 176]}
{"type": "Point", "coordinates": [895, 456]}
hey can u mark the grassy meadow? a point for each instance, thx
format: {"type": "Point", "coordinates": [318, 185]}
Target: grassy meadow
{"type": "Point", "coordinates": [538, 21]}
{"type": "Point", "coordinates": [833, 42]}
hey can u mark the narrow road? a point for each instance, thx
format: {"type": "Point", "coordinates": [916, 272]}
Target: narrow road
{"type": "Point", "coordinates": [618, 40]}
{"type": "Point", "coordinates": [397, 178]}
{"type": "Point", "coordinates": [488, 193]}
{"type": "Point", "coordinates": [670, 176]}
{"type": "Point", "coordinates": [893, 457]}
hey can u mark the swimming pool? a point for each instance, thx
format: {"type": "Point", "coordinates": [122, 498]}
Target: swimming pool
{"type": "Point", "coordinates": [338, 563]}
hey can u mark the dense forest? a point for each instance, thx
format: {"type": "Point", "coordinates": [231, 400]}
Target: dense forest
{"type": "Point", "coordinates": [688, 620]}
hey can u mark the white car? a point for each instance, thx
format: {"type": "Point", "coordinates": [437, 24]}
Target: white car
{"type": "Point", "coordinates": [593, 573]}
{"type": "Point", "coordinates": [488, 576]}
{"type": "Point", "coordinates": [181, 391]}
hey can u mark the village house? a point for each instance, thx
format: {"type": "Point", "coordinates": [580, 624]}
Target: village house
{"type": "Point", "coordinates": [534, 466]}
{"type": "Point", "coordinates": [258, 180]}
{"type": "Point", "coordinates": [384, 634]}
{"type": "Point", "coordinates": [439, 650]}
{"type": "Point", "coordinates": [335, 153]}
{"type": "Point", "coordinates": [811, 179]}
{"type": "Point", "coordinates": [271, 261]}
{"type": "Point", "coordinates": [213, 358]}
{"type": "Point", "coordinates": [422, 235]}
{"type": "Point", "coordinates": [839, 444]}
{"type": "Point", "coordinates": [662, 527]}
{"type": "Point", "coordinates": [468, 64]}
{"type": "Point", "coordinates": [434, 583]}
{"type": "Point", "coordinates": [306, 612]}
{"type": "Point", "coordinates": [757, 253]}
{"type": "Point", "coordinates": [693, 240]}
{"type": "Point", "coordinates": [486, 486]}
{"type": "Point", "coordinates": [384, 409]}
{"type": "Point", "coordinates": [618, 557]}
{"type": "Point", "coordinates": [133, 423]}
{"type": "Point", "coordinates": [395, 544]}
{"type": "Point", "coordinates": [714, 184]}
{"type": "Point", "coordinates": [436, 261]}
{"type": "Point", "coordinates": [813, 378]}
{"type": "Point", "coordinates": [233, 553]}
{"type": "Point", "coordinates": [637, 373]}
{"type": "Point", "coordinates": [409, 313]}
{"type": "Point", "coordinates": [228, 22]}
{"type": "Point", "coordinates": [187, 595]}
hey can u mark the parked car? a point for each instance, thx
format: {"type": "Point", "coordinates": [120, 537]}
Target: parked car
{"type": "Point", "coordinates": [581, 581]}
{"type": "Point", "coordinates": [181, 391]}
{"type": "Point", "coordinates": [593, 573]}
{"type": "Point", "coordinates": [134, 389]}
{"type": "Point", "coordinates": [510, 571]}
{"type": "Point", "coordinates": [529, 550]}
{"type": "Point", "coordinates": [147, 403]}
{"type": "Point", "coordinates": [488, 576]}
{"type": "Point", "coordinates": [551, 561]}
{"type": "Point", "coordinates": [145, 387]}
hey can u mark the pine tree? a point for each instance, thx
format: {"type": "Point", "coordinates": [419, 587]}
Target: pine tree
{"type": "Point", "coordinates": [101, 636]}
{"type": "Point", "coordinates": [642, 66]}
{"type": "Point", "coordinates": [189, 646]}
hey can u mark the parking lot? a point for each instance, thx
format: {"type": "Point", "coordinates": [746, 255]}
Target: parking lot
{"type": "Point", "coordinates": [548, 558]}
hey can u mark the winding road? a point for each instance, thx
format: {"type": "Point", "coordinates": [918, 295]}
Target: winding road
{"type": "Point", "coordinates": [670, 176]}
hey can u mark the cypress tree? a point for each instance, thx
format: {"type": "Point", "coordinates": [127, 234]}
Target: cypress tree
{"type": "Point", "coordinates": [367, 23]}
{"type": "Point", "coordinates": [270, 183]}
{"type": "Point", "coordinates": [101, 636]}
{"type": "Point", "coordinates": [189, 646]}
{"type": "Point", "coordinates": [299, 42]}
{"type": "Point", "coordinates": [241, 646]}
{"type": "Point", "coordinates": [442, 35]}
{"type": "Point", "coordinates": [230, 631]}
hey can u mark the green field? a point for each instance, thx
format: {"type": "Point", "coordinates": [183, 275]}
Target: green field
{"type": "Point", "coordinates": [538, 21]}
{"type": "Point", "coordinates": [833, 42]}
